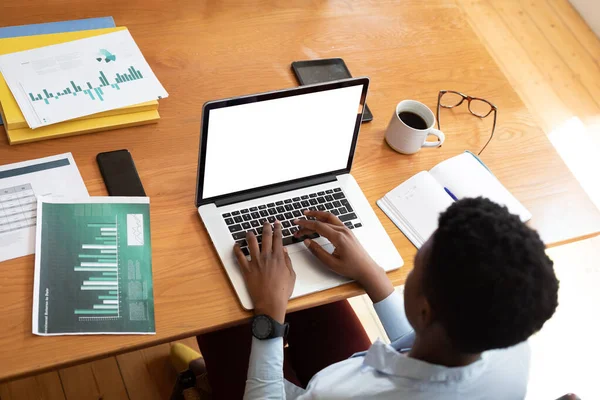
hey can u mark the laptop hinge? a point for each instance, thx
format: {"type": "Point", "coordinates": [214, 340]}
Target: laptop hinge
{"type": "Point", "coordinates": [274, 190]}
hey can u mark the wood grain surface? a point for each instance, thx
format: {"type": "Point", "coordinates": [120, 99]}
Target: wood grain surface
{"type": "Point", "coordinates": [204, 50]}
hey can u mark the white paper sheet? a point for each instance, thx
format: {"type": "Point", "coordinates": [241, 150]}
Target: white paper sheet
{"type": "Point", "coordinates": [65, 81]}
{"type": "Point", "coordinates": [20, 184]}
{"type": "Point", "coordinates": [465, 176]}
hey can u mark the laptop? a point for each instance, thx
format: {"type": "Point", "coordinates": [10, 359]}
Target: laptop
{"type": "Point", "coordinates": [270, 156]}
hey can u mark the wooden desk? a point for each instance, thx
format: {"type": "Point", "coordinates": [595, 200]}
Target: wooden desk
{"type": "Point", "coordinates": [203, 50]}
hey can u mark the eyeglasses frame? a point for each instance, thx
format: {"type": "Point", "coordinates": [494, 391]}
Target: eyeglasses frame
{"type": "Point", "coordinates": [469, 99]}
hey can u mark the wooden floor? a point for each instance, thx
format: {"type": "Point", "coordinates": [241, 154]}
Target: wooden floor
{"type": "Point", "coordinates": [552, 59]}
{"type": "Point", "coordinates": [141, 375]}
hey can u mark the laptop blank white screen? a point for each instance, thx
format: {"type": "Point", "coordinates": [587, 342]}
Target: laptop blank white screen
{"type": "Point", "coordinates": [273, 141]}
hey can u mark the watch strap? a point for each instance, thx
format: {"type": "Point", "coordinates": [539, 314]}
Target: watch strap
{"type": "Point", "coordinates": [279, 330]}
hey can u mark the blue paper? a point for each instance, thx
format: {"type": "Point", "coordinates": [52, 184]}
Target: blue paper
{"type": "Point", "coordinates": [56, 27]}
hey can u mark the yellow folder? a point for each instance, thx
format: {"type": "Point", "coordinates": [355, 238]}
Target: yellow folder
{"type": "Point", "coordinates": [79, 127]}
{"type": "Point", "coordinates": [14, 120]}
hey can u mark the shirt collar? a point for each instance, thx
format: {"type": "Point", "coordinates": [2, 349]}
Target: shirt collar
{"type": "Point", "coordinates": [385, 359]}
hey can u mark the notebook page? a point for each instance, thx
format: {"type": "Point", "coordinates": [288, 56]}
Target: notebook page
{"type": "Point", "coordinates": [420, 200]}
{"type": "Point", "coordinates": [465, 176]}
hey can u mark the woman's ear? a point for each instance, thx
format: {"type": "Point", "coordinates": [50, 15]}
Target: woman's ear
{"type": "Point", "coordinates": [426, 316]}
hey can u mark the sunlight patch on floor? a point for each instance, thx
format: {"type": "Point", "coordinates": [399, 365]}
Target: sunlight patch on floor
{"type": "Point", "coordinates": [578, 144]}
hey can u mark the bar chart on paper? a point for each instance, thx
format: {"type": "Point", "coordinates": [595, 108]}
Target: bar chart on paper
{"type": "Point", "coordinates": [65, 81]}
{"type": "Point", "coordinates": [92, 92]}
{"type": "Point", "coordinates": [94, 273]}
{"type": "Point", "coordinates": [99, 271]}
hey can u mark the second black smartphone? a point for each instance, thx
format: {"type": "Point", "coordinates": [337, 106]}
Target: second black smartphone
{"type": "Point", "coordinates": [119, 173]}
{"type": "Point", "coordinates": [325, 70]}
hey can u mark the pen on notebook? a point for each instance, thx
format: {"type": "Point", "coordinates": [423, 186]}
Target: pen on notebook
{"type": "Point", "coordinates": [450, 194]}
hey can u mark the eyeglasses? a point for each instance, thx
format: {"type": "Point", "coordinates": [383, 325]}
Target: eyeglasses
{"type": "Point", "coordinates": [478, 107]}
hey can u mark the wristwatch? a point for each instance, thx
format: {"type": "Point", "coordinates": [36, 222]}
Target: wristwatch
{"type": "Point", "coordinates": [265, 327]}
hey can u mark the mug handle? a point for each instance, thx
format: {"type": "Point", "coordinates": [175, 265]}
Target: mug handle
{"type": "Point", "coordinates": [440, 135]}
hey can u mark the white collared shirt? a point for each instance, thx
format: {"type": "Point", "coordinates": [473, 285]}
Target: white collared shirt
{"type": "Point", "coordinates": [384, 373]}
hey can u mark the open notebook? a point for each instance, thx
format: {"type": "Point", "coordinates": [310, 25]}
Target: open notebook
{"type": "Point", "coordinates": [415, 205]}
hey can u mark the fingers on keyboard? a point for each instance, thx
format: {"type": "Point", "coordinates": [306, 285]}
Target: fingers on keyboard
{"type": "Point", "coordinates": [252, 219]}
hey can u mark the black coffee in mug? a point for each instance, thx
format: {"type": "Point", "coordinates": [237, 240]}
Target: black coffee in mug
{"type": "Point", "coordinates": [413, 120]}
{"type": "Point", "coordinates": [411, 124]}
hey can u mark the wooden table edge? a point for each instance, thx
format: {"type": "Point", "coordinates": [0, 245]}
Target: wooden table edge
{"type": "Point", "coordinates": [352, 289]}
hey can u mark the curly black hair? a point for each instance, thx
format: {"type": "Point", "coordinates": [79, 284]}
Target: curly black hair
{"type": "Point", "coordinates": [487, 277]}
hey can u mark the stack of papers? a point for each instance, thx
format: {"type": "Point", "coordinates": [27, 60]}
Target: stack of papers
{"type": "Point", "coordinates": [56, 27]}
{"type": "Point", "coordinates": [93, 255]}
{"type": "Point", "coordinates": [76, 82]}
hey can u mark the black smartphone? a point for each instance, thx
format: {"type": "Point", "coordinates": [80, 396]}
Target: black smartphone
{"type": "Point", "coordinates": [119, 173]}
{"type": "Point", "coordinates": [326, 70]}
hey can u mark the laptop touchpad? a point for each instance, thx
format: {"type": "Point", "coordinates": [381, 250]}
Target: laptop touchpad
{"type": "Point", "coordinates": [312, 274]}
{"type": "Point", "coordinates": [324, 243]}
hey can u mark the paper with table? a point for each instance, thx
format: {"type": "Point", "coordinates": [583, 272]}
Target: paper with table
{"type": "Point", "coordinates": [20, 184]}
{"type": "Point", "coordinates": [65, 81]}
{"type": "Point", "coordinates": [93, 267]}
{"type": "Point", "coordinates": [415, 205]}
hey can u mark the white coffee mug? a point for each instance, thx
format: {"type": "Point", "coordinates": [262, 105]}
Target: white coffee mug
{"type": "Point", "coordinates": [406, 139]}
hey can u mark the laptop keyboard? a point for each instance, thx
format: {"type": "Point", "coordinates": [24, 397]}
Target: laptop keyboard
{"type": "Point", "coordinates": [286, 211]}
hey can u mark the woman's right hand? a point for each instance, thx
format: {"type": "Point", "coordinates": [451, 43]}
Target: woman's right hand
{"type": "Point", "coordinates": [349, 259]}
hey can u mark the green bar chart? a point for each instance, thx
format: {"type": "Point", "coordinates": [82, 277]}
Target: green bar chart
{"type": "Point", "coordinates": [93, 91]}
{"type": "Point", "coordinates": [100, 271]}
{"type": "Point", "coordinates": [94, 274]}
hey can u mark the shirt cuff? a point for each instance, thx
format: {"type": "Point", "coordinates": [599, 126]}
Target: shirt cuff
{"type": "Point", "coordinates": [266, 359]}
{"type": "Point", "coordinates": [392, 316]}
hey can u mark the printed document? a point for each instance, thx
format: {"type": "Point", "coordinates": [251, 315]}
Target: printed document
{"type": "Point", "coordinates": [61, 82]}
{"type": "Point", "coordinates": [20, 184]}
{"type": "Point", "coordinates": [93, 267]}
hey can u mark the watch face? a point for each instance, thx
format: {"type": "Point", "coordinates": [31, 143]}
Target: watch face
{"type": "Point", "coordinates": [261, 327]}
